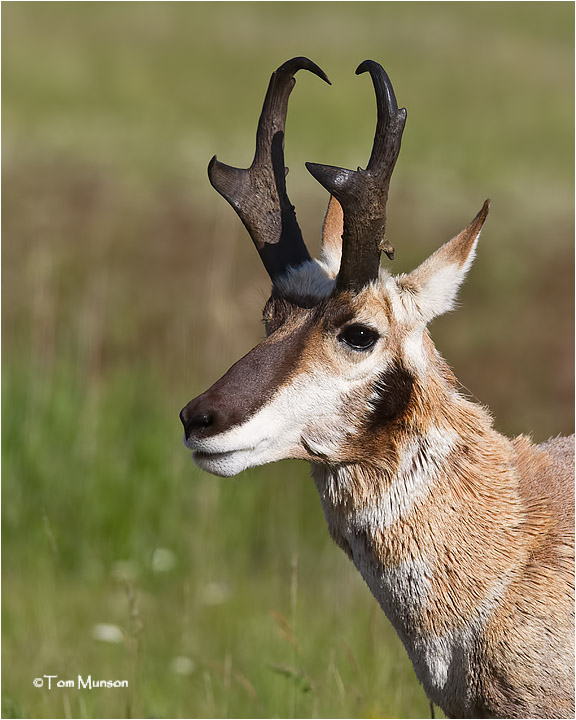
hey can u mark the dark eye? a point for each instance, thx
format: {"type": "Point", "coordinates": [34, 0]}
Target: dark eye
{"type": "Point", "coordinates": [358, 337]}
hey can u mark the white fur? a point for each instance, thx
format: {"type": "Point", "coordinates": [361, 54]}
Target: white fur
{"type": "Point", "coordinates": [413, 351]}
{"type": "Point", "coordinates": [401, 589]}
{"type": "Point", "coordinates": [330, 259]}
{"type": "Point", "coordinates": [431, 289]}
{"type": "Point", "coordinates": [389, 285]}
{"type": "Point", "coordinates": [438, 295]}
{"type": "Point", "coordinates": [298, 410]}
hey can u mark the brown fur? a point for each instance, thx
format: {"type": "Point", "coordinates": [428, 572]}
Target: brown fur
{"type": "Point", "coordinates": [332, 232]}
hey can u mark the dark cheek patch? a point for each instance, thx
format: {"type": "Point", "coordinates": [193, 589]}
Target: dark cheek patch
{"type": "Point", "coordinates": [392, 391]}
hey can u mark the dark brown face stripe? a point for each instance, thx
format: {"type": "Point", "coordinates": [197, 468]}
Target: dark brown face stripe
{"type": "Point", "coordinates": [393, 390]}
{"type": "Point", "coordinates": [252, 381]}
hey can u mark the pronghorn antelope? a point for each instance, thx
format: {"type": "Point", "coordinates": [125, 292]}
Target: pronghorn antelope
{"type": "Point", "coordinates": [464, 536]}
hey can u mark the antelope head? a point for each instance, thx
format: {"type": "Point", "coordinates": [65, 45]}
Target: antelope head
{"type": "Point", "coordinates": [346, 344]}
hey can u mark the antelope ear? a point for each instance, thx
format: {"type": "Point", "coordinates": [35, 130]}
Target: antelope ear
{"type": "Point", "coordinates": [332, 229]}
{"type": "Point", "coordinates": [431, 289]}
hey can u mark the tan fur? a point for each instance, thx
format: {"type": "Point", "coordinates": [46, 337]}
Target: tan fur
{"type": "Point", "coordinates": [510, 547]}
{"type": "Point", "coordinates": [506, 543]}
{"type": "Point", "coordinates": [332, 236]}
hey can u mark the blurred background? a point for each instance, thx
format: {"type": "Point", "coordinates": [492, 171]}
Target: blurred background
{"type": "Point", "coordinates": [129, 286]}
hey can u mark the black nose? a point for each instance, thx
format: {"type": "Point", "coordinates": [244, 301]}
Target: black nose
{"type": "Point", "coordinates": [195, 421]}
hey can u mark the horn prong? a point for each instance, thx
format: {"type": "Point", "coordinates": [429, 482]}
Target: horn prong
{"type": "Point", "coordinates": [258, 193]}
{"type": "Point", "coordinates": [363, 193]}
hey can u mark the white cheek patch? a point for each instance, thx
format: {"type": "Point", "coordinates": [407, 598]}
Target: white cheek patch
{"type": "Point", "coordinates": [309, 408]}
{"type": "Point", "coordinates": [413, 351]}
{"type": "Point", "coordinates": [310, 415]}
{"type": "Point", "coordinates": [267, 436]}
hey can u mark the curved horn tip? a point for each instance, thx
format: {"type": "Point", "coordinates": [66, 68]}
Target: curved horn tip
{"type": "Point", "coordinates": [303, 63]}
{"type": "Point", "coordinates": [368, 66]}
{"type": "Point", "coordinates": [381, 83]}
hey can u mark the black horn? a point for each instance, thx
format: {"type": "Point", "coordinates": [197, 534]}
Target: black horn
{"type": "Point", "coordinates": [363, 193]}
{"type": "Point", "coordinates": [258, 193]}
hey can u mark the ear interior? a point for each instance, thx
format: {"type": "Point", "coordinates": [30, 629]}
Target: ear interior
{"type": "Point", "coordinates": [431, 289]}
{"type": "Point", "coordinates": [332, 229]}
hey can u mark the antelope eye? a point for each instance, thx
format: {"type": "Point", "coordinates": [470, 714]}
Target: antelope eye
{"type": "Point", "coordinates": [358, 337]}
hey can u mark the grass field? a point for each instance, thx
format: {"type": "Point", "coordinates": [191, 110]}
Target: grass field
{"type": "Point", "coordinates": [129, 286]}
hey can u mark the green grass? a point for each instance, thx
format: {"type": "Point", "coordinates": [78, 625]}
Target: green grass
{"type": "Point", "coordinates": [129, 286]}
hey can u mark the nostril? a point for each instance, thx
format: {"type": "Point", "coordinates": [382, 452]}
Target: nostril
{"type": "Point", "coordinates": [200, 421]}
{"type": "Point", "coordinates": [195, 421]}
